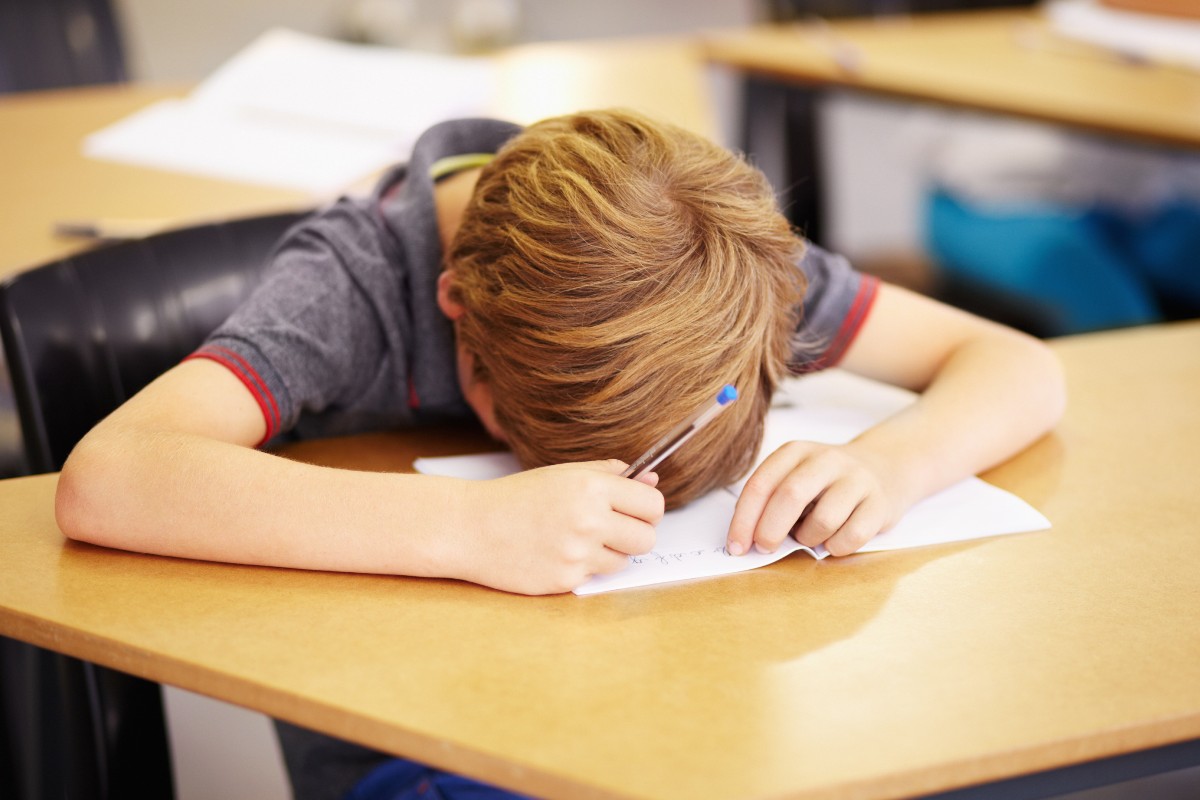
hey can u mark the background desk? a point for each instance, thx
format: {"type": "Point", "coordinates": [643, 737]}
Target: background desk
{"type": "Point", "coordinates": [880, 675]}
{"type": "Point", "coordinates": [47, 179]}
{"type": "Point", "coordinates": [1001, 61]}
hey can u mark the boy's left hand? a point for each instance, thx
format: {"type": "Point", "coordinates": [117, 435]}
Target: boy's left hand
{"type": "Point", "coordinates": [823, 494]}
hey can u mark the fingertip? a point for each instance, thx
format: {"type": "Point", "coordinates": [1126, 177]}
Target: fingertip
{"type": "Point", "coordinates": [735, 540]}
{"type": "Point", "coordinates": [648, 478]}
{"type": "Point", "coordinates": [844, 544]}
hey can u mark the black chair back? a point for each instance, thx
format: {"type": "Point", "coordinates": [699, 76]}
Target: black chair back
{"type": "Point", "coordinates": [80, 336]}
{"type": "Point", "coordinates": [83, 334]}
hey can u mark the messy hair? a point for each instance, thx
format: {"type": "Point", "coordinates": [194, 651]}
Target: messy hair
{"type": "Point", "coordinates": [616, 272]}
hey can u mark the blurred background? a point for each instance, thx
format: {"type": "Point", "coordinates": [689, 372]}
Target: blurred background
{"type": "Point", "coordinates": [914, 193]}
{"type": "Point", "coordinates": [965, 206]}
{"type": "Point", "coordinates": [874, 203]}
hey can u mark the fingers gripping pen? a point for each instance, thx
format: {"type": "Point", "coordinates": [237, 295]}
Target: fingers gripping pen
{"type": "Point", "coordinates": [681, 433]}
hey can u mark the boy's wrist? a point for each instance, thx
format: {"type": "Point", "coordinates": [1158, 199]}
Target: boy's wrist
{"type": "Point", "coordinates": [899, 476]}
{"type": "Point", "coordinates": [442, 520]}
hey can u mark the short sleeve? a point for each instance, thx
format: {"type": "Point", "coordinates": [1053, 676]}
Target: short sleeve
{"type": "Point", "coordinates": [311, 338]}
{"type": "Point", "coordinates": [836, 304]}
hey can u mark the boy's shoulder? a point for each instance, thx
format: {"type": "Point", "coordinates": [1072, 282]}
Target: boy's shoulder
{"type": "Point", "coordinates": [836, 303]}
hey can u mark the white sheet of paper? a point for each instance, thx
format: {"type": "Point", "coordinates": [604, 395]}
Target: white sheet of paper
{"type": "Point", "coordinates": [301, 112]}
{"type": "Point", "coordinates": [831, 407]}
{"type": "Point", "coordinates": [366, 87]}
{"type": "Point", "coordinates": [1154, 37]}
{"type": "Point", "coordinates": [238, 146]}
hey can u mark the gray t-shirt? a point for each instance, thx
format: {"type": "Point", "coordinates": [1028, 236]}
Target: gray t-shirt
{"type": "Point", "coordinates": [344, 335]}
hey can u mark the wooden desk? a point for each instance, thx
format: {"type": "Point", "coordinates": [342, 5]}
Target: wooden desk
{"type": "Point", "coordinates": [47, 179]}
{"type": "Point", "coordinates": [873, 676]}
{"type": "Point", "coordinates": [1000, 61]}
{"type": "Point", "coordinates": [1005, 61]}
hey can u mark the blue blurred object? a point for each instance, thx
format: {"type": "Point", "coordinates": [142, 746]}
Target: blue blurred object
{"type": "Point", "coordinates": [1164, 247]}
{"type": "Point", "coordinates": [401, 779]}
{"type": "Point", "coordinates": [1093, 268]}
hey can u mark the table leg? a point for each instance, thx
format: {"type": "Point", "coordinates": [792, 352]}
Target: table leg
{"type": "Point", "coordinates": [780, 135]}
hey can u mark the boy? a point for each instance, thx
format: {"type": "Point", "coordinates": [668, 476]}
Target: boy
{"type": "Point", "coordinates": [579, 293]}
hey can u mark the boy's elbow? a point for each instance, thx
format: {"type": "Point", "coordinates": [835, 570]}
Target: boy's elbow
{"type": "Point", "coordinates": [69, 511]}
{"type": "Point", "coordinates": [1049, 382]}
{"type": "Point", "coordinates": [82, 500]}
{"type": "Point", "coordinates": [1060, 392]}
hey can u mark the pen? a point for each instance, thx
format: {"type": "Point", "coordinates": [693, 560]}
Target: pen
{"type": "Point", "coordinates": [681, 433]}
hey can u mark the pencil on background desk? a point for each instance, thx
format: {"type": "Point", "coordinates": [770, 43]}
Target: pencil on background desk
{"type": "Point", "coordinates": [847, 55]}
{"type": "Point", "coordinates": [110, 230]}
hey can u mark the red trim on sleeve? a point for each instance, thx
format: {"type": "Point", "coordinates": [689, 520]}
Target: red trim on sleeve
{"type": "Point", "coordinates": [252, 381]}
{"type": "Point", "coordinates": [414, 402]}
{"type": "Point", "coordinates": [852, 324]}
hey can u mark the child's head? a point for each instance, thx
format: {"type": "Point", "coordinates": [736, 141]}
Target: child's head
{"type": "Point", "coordinates": [616, 272]}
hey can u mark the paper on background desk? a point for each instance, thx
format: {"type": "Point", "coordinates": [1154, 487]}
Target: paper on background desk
{"type": "Point", "coordinates": [301, 112]}
{"type": "Point", "coordinates": [831, 407]}
{"type": "Point", "coordinates": [1138, 36]}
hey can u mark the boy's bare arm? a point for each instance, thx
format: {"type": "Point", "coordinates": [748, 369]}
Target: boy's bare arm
{"type": "Point", "coordinates": [987, 392]}
{"type": "Point", "coordinates": [173, 472]}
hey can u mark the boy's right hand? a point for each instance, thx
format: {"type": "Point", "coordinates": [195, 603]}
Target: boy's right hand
{"type": "Point", "coordinates": [548, 530]}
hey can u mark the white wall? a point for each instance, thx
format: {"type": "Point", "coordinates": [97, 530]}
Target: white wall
{"type": "Point", "coordinates": [178, 40]}
{"type": "Point", "coordinates": [182, 40]}
{"type": "Point", "coordinates": [222, 751]}
{"type": "Point", "coordinates": [875, 153]}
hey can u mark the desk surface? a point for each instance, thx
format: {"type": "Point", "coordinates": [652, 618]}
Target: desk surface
{"type": "Point", "coordinates": [876, 675]}
{"type": "Point", "coordinates": [47, 179]}
{"type": "Point", "coordinates": [1005, 61]}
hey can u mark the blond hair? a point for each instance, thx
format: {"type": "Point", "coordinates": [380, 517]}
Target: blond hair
{"type": "Point", "coordinates": [616, 272]}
